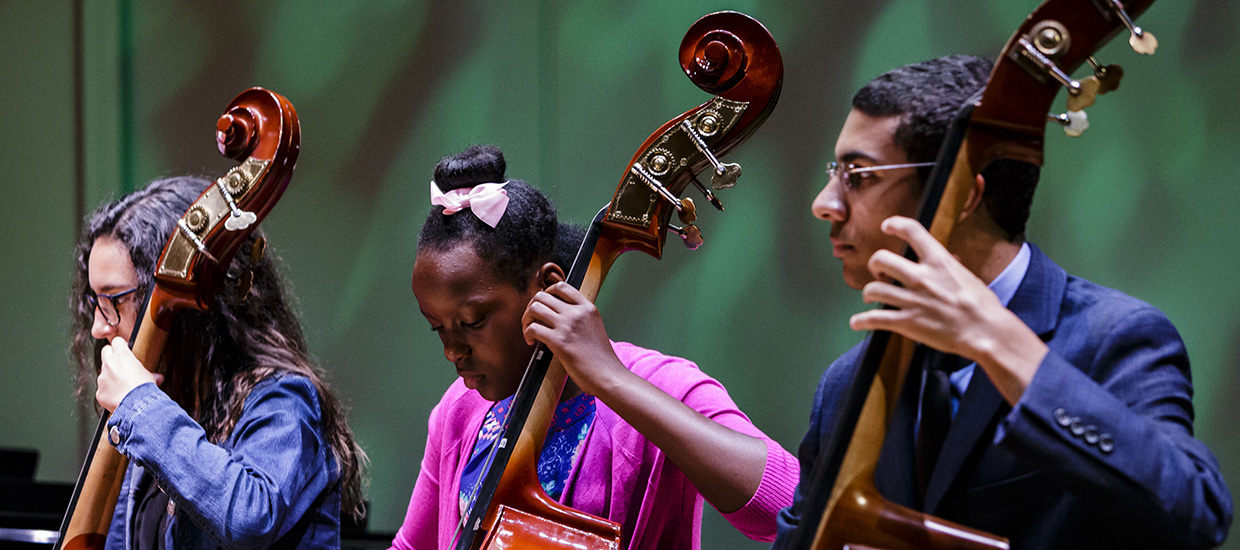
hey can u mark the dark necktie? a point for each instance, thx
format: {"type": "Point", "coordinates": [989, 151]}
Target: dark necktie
{"type": "Point", "coordinates": [936, 413]}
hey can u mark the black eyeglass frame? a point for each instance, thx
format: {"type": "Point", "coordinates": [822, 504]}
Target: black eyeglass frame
{"type": "Point", "coordinates": [97, 302]}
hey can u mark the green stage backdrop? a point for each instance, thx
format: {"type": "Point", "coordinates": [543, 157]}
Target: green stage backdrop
{"type": "Point", "coordinates": [1144, 202]}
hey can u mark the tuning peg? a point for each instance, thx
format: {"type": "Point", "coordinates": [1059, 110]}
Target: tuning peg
{"type": "Point", "coordinates": [1084, 95]}
{"type": "Point", "coordinates": [239, 219]}
{"type": "Point", "coordinates": [691, 235]}
{"type": "Point", "coordinates": [638, 170]}
{"type": "Point", "coordinates": [710, 196]}
{"type": "Point", "coordinates": [1049, 41]}
{"type": "Point", "coordinates": [1074, 122]}
{"type": "Point", "coordinates": [687, 211]}
{"type": "Point", "coordinates": [192, 235]}
{"type": "Point", "coordinates": [725, 174]}
{"type": "Point", "coordinates": [1142, 42]}
{"type": "Point", "coordinates": [1109, 76]}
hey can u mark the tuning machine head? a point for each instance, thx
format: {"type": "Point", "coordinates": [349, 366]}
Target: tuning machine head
{"type": "Point", "coordinates": [1142, 41]}
{"type": "Point", "coordinates": [687, 211]}
{"type": "Point", "coordinates": [710, 195]}
{"type": "Point", "coordinates": [1108, 76]}
{"type": "Point", "coordinates": [724, 175]}
{"type": "Point", "coordinates": [690, 234]}
{"type": "Point", "coordinates": [1084, 95]}
{"type": "Point", "coordinates": [1074, 122]}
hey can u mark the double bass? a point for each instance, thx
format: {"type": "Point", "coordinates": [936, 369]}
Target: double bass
{"type": "Point", "coordinates": [259, 128]}
{"type": "Point", "coordinates": [727, 54]}
{"type": "Point", "coordinates": [842, 508]}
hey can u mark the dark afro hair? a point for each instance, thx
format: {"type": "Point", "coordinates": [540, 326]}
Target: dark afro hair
{"type": "Point", "coordinates": [524, 238]}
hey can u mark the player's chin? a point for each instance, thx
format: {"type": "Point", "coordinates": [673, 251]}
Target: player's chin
{"type": "Point", "coordinates": [856, 277]}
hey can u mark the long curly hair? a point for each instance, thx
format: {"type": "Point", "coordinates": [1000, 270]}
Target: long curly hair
{"type": "Point", "coordinates": [213, 359]}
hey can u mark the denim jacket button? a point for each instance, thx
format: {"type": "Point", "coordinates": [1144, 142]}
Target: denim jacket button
{"type": "Point", "coordinates": [114, 435]}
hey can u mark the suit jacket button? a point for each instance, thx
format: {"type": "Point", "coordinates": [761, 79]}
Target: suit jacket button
{"type": "Point", "coordinates": [1091, 434]}
{"type": "Point", "coordinates": [1105, 443]}
{"type": "Point", "coordinates": [1061, 416]}
{"type": "Point", "coordinates": [1077, 428]}
{"type": "Point", "coordinates": [114, 435]}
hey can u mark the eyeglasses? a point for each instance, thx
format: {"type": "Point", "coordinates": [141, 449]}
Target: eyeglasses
{"type": "Point", "coordinates": [108, 304]}
{"type": "Point", "coordinates": [851, 174]}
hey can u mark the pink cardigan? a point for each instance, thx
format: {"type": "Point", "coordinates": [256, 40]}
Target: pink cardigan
{"type": "Point", "coordinates": [621, 476]}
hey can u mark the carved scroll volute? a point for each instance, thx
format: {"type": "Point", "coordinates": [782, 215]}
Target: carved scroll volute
{"type": "Point", "coordinates": [260, 129]}
{"type": "Point", "coordinates": [728, 54]}
{"type": "Point", "coordinates": [732, 55]}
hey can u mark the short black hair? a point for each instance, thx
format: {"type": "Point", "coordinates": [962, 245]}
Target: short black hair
{"type": "Point", "coordinates": [927, 96]}
{"type": "Point", "coordinates": [526, 235]}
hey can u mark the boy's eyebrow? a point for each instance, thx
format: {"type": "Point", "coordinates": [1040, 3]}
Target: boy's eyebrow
{"type": "Point", "coordinates": [851, 156]}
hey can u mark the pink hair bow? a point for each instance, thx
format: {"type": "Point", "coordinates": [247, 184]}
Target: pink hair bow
{"type": "Point", "coordinates": [487, 200]}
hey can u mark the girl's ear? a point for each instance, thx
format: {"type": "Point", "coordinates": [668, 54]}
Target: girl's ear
{"type": "Point", "coordinates": [549, 274]}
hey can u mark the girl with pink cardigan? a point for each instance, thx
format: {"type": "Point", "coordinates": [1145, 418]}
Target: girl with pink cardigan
{"type": "Point", "coordinates": [639, 438]}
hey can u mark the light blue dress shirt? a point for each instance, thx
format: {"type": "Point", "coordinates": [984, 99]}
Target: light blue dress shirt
{"type": "Point", "coordinates": [1004, 286]}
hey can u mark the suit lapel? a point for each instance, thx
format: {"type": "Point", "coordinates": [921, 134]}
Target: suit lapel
{"type": "Point", "coordinates": [1036, 303]}
{"type": "Point", "coordinates": [978, 407]}
{"type": "Point", "coordinates": [1040, 295]}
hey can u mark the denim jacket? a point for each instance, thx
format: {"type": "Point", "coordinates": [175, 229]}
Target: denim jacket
{"type": "Point", "coordinates": [272, 484]}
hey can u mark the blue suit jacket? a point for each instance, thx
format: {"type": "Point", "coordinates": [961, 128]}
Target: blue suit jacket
{"type": "Point", "coordinates": [1098, 453]}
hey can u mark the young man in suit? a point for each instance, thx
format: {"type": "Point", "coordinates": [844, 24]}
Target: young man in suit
{"type": "Point", "coordinates": [1071, 419]}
